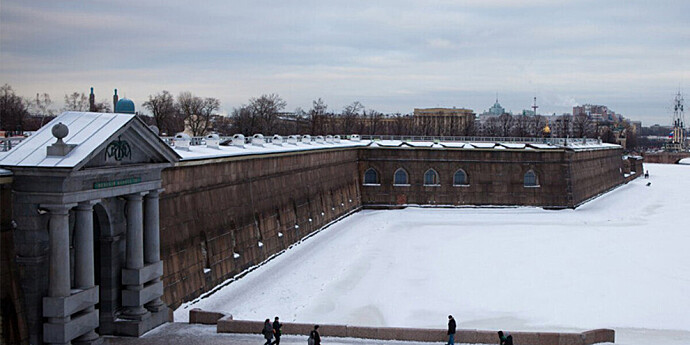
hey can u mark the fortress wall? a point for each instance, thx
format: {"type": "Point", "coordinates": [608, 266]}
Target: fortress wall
{"type": "Point", "coordinates": [495, 177]}
{"type": "Point", "coordinates": [594, 172]}
{"type": "Point", "coordinates": [212, 209]}
{"type": "Point", "coordinates": [664, 157]}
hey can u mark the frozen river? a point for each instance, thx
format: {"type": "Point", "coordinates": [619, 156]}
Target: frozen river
{"type": "Point", "coordinates": [621, 261]}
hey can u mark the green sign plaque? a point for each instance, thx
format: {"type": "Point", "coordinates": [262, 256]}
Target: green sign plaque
{"type": "Point", "coordinates": [116, 183]}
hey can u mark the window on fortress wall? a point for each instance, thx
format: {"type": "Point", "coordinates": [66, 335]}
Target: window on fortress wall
{"type": "Point", "coordinates": [400, 178]}
{"type": "Point", "coordinates": [460, 178]}
{"type": "Point", "coordinates": [431, 178]}
{"type": "Point", "coordinates": [371, 177]}
{"type": "Point", "coordinates": [531, 179]}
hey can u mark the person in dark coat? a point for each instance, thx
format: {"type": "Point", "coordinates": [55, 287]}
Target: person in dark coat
{"type": "Point", "coordinates": [267, 332]}
{"type": "Point", "coordinates": [505, 338]}
{"type": "Point", "coordinates": [451, 330]}
{"type": "Point", "coordinates": [276, 331]}
{"type": "Point", "coordinates": [315, 335]}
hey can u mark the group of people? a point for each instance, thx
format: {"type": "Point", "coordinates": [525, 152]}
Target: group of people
{"type": "Point", "coordinates": [503, 338]}
{"type": "Point", "coordinates": [271, 331]}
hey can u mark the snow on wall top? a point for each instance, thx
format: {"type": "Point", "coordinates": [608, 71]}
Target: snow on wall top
{"type": "Point", "coordinates": [86, 130]}
{"type": "Point", "coordinates": [197, 152]}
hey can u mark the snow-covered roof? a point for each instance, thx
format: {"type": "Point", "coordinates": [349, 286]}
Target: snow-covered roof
{"type": "Point", "coordinates": [196, 152]}
{"type": "Point", "coordinates": [87, 131]}
{"type": "Point", "coordinates": [5, 172]}
{"type": "Point", "coordinates": [684, 161]}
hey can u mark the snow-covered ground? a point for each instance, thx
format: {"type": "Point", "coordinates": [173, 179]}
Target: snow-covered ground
{"type": "Point", "coordinates": [621, 261]}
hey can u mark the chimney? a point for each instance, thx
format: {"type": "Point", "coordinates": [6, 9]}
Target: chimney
{"type": "Point", "coordinates": [115, 98]}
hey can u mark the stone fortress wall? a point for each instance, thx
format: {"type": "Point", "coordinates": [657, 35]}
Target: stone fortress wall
{"type": "Point", "coordinates": [214, 212]}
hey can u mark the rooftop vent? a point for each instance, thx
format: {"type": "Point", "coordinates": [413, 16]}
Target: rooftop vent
{"type": "Point", "coordinates": [182, 141]}
{"type": "Point", "coordinates": [258, 140]}
{"type": "Point", "coordinates": [319, 139]}
{"type": "Point", "coordinates": [355, 137]}
{"type": "Point", "coordinates": [238, 140]}
{"type": "Point", "coordinates": [59, 148]}
{"type": "Point", "coordinates": [306, 139]}
{"type": "Point", "coordinates": [213, 141]}
{"type": "Point", "coordinates": [277, 140]}
{"type": "Point", "coordinates": [336, 138]}
{"type": "Point", "coordinates": [292, 140]}
{"type": "Point", "coordinates": [329, 138]}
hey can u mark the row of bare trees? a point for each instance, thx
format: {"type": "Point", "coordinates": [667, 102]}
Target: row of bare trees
{"type": "Point", "coordinates": [188, 111]}
{"type": "Point", "coordinates": [266, 114]}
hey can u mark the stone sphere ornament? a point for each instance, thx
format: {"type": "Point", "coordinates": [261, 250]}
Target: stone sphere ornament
{"type": "Point", "coordinates": [60, 130]}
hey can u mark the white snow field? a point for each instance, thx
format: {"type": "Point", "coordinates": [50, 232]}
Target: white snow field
{"type": "Point", "coordinates": [620, 261]}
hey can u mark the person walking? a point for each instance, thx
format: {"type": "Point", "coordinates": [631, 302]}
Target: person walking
{"type": "Point", "coordinates": [276, 331]}
{"type": "Point", "coordinates": [451, 330]}
{"type": "Point", "coordinates": [314, 337]}
{"type": "Point", "coordinates": [267, 332]}
{"type": "Point", "coordinates": [505, 338]}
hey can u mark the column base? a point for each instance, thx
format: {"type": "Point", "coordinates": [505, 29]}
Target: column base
{"type": "Point", "coordinates": [96, 341]}
{"type": "Point", "coordinates": [135, 314]}
{"type": "Point", "coordinates": [136, 328]}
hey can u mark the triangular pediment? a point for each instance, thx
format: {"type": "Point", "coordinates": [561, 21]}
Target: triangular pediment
{"type": "Point", "coordinates": [134, 143]}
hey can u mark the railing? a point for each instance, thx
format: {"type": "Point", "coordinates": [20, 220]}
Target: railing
{"type": "Point", "coordinates": [529, 140]}
{"type": "Point", "coordinates": [7, 144]}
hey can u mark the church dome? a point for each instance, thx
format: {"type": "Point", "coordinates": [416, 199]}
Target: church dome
{"type": "Point", "coordinates": [124, 106]}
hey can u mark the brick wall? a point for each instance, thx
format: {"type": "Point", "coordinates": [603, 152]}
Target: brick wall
{"type": "Point", "coordinates": [495, 177]}
{"type": "Point", "coordinates": [212, 209]}
{"type": "Point", "coordinates": [594, 172]}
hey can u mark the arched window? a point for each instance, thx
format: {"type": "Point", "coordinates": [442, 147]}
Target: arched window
{"type": "Point", "coordinates": [371, 176]}
{"type": "Point", "coordinates": [400, 177]}
{"type": "Point", "coordinates": [531, 179]}
{"type": "Point", "coordinates": [460, 178]}
{"type": "Point", "coordinates": [431, 178]}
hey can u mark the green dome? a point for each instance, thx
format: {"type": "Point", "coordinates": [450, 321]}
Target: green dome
{"type": "Point", "coordinates": [124, 106]}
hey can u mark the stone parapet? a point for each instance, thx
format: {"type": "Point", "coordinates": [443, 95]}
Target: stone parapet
{"type": "Point", "coordinates": [62, 333]}
{"type": "Point", "coordinates": [228, 325]}
{"type": "Point", "coordinates": [66, 306]}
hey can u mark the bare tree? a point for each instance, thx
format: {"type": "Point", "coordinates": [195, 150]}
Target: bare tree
{"type": "Point", "coordinates": [191, 108]}
{"type": "Point", "coordinates": [266, 109]}
{"type": "Point", "coordinates": [582, 126]}
{"type": "Point", "coordinates": [162, 107]}
{"type": "Point", "coordinates": [76, 102]}
{"type": "Point", "coordinates": [317, 117]}
{"type": "Point", "coordinates": [373, 120]}
{"type": "Point", "coordinates": [102, 106]}
{"type": "Point", "coordinates": [349, 117]}
{"type": "Point", "coordinates": [13, 110]}
{"type": "Point", "coordinates": [245, 120]}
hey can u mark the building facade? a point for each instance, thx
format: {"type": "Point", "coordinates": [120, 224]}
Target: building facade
{"type": "Point", "coordinates": [113, 227]}
{"type": "Point", "coordinates": [443, 121]}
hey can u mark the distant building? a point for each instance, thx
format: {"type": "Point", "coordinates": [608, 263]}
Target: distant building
{"type": "Point", "coordinates": [443, 121]}
{"type": "Point", "coordinates": [495, 111]}
{"type": "Point", "coordinates": [598, 113]}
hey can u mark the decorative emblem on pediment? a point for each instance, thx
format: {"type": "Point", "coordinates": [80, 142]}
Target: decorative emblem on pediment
{"type": "Point", "coordinates": [118, 149]}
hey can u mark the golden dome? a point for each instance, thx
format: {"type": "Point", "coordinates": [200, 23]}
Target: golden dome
{"type": "Point", "coordinates": [546, 129]}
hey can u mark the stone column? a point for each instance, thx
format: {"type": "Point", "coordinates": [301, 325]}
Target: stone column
{"type": "Point", "coordinates": [59, 275]}
{"type": "Point", "coordinates": [135, 250]}
{"type": "Point", "coordinates": [84, 276]}
{"type": "Point", "coordinates": [152, 246]}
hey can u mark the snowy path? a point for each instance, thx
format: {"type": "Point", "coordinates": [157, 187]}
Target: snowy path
{"type": "Point", "coordinates": [621, 261]}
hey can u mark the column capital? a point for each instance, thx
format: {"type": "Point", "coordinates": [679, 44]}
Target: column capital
{"type": "Point", "coordinates": [58, 208]}
{"type": "Point", "coordinates": [154, 193]}
{"type": "Point", "coordinates": [135, 196]}
{"type": "Point", "coordinates": [87, 205]}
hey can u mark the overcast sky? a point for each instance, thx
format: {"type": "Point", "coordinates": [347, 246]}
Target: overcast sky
{"type": "Point", "coordinates": [391, 56]}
